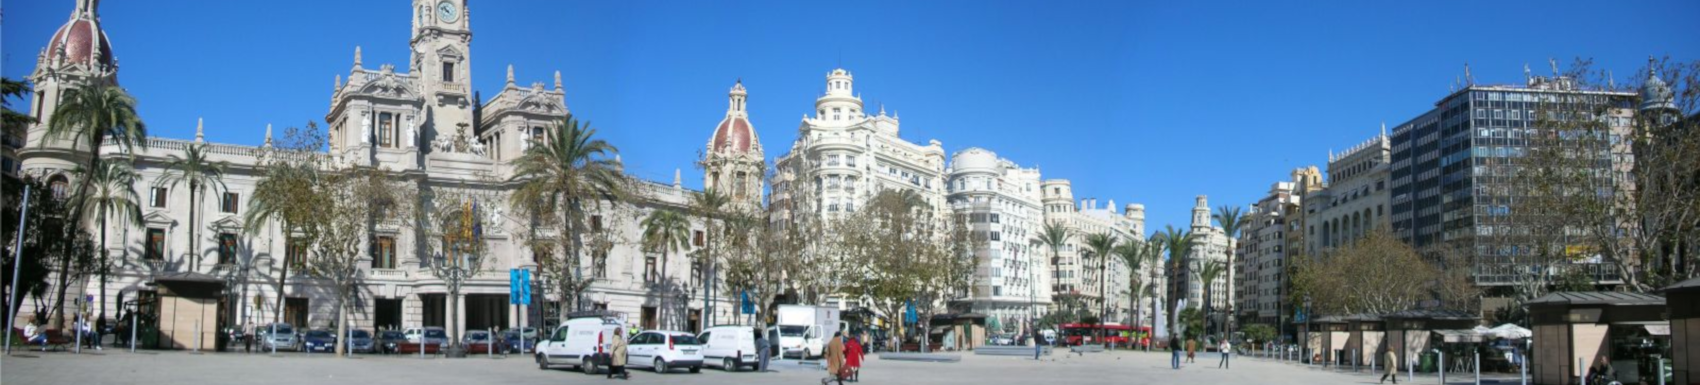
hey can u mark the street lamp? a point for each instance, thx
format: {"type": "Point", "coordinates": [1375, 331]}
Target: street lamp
{"type": "Point", "coordinates": [457, 260]}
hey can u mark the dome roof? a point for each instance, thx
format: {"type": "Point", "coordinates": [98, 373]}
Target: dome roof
{"type": "Point", "coordinates": [1655, 93]}
{"type": "Point", "coordinates": [81, 41]}
{"type": "Point", "coordinates": [734, 135]}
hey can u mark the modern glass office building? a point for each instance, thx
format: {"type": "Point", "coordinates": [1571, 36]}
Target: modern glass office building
{"type": "Point", "coordinates": [1453, 169]}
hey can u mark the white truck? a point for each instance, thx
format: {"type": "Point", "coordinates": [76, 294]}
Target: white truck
{"type": "Point", "coordinates": [805, 329]}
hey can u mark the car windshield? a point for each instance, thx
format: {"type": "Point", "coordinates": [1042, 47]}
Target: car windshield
{"type": "Point", "coordinates": [685, 340]}
{"type": "Point", "coordinates": [434, 333]}
{"type": "Point", "coordinates": [792, 331]}
{"type": "Point", "coordinates": [476, 336]}
{"type": "Point", "coordinates": [318, 334]}
{"type": "Point", "coordinates": [284, 329]}
{"type": "Point", "coordinates": [360, 334]}
{"type": "Point", "coordinates": [510, 335]}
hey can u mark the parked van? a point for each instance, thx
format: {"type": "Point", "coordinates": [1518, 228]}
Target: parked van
{"type": "Point", "coordinates": [579, 343]}
{"type": "Point", "coordinates": [729, 347]}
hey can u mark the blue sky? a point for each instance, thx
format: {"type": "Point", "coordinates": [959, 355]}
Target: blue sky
{"type": "Point", "coordinates": [1148, 102]}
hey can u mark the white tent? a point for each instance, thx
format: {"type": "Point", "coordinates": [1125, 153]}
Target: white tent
{"type": "Point", "coordinates": [1509, 331]}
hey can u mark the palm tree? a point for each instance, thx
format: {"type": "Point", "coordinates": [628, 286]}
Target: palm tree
{"type": "Point", "coordinates": [287, 193]}
{"type": "Point", "coordinates": [1154, 246]}
{"type": "Point", "coordinates": [709, 205]}
{"type": "Point", "coordinates": [202, 175]}
{"type": "Point", "coordinates": [566, 173]}
{"type": "Point", "coordinates": [110, 192]}
{"type": "Point", "coordinates": [1054, 235]}
{"type": "Point", "coordinates": [93, 114]}
{"type": "Point", "coordinates": [665, 231]}
{"type": "Point", "coordinates": [1102, 244]}
{"type": "Point", "coordinates": [1231, 220]}
{"type": "Point", "coordinates": [1131, 254]}
{"type": "Point", "coordinates": [1207, 275]}
{"type": "Point", "coordinates": [1179, 243]}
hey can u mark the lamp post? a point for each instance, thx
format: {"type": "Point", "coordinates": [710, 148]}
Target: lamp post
{"type": "Point", "coordinates": [457, 260]}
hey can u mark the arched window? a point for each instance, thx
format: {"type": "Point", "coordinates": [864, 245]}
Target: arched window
{"type": "Point", "coordinates": [60, 187]}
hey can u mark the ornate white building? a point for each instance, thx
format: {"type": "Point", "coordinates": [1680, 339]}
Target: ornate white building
{"type": "Point", "coordinates": [1075, 273]}
{"type": "Point", "coordinates": [1000, 200]}
{"type": "Point", "coordinates": [423, 125]}
{"type": "Point", "coordinates": [734, 160]}
{"type": "Point", "coordinates": [1209, 244]}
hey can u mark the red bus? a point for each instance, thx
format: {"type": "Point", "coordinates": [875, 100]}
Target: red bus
{"type": "Point", "coordinates": [1076, 334]}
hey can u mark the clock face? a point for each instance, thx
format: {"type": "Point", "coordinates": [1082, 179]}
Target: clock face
{"type": "Point", "coordinates": [447, 11]}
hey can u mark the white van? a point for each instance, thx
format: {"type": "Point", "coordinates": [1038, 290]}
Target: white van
{"type": "Point", "coordinates": [729, 347]}
{"type": "Point", "coordinates": [577, 343]}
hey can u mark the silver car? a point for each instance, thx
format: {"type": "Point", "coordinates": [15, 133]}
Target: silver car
{"type": "Point", "coordinates": [279, 336]}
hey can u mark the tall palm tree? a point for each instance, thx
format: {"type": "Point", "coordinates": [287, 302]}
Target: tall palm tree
{"type": "Point", "coordinates": [1131, 254]}
{"type": "Point", "coordinates": [1102, 244]}
{"type": "Point", "coordinates": [1054, 235]}
{"type": "Point", "coordinates": [1207, 274]}
{"type": "Point", "coordinates": [1179, 243]}
{"type": "Point", "coordinates": [665, 231]}
{"type": "Point", "coordinates": [566, 174]}
{"type": "Point", "coordinates": [287, 193]}
{"type": "Point", "coordinates": [91, 115]}
{"type": "Point", "coordinates": [1231, 220]}
{"type": "Point", "coordinates": [709, 205]}
{"type": "Point", "coordinates": [110, 192]}
{"type": "Point", "coordinates": [202, 174]}
{"type": "Point", "coordinates": [1154, 246]}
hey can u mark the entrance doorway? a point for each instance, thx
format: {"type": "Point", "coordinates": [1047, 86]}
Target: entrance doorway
{"type": "Point", "coordinates": [486, 311]}
{"type": "Point", "coordinates": [695, 322]}
{"type": "Point", "coordinates": [295, 312]}
{"type": "Point", "coordinates": [386, 314]}
{"type": "Point", "coordinates": [648, 318]}
{"type": "Point", "coordinates": [434, 309]}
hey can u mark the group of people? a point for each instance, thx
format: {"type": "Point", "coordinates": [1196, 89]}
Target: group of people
{"type": "Point", "coordinates": [89, 331]}
{"type": "Point", "coordinates": [1190, 346]}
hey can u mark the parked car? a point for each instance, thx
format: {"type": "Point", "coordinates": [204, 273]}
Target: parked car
{"type": "Point", "coordinates": [413, 334]}
{"type": "Point", "coordinates": [579, 342]}
{"type": "Point", "coordinates": [479, 342]}
{"type": "Point", "coordinates": [279, 336]}
{"type": "Point", "coordinates": [1001, 340]}
{"type": "Point", "coordinates": [436, 336]}
{"type": "Point", "coordinates": [360, 341]}
{"type": "Point", "coordinates": [318, 341]}
{"type": "Point", "coordinates": [529, 333]}
{"type": "Point", "coordinates": [512, 341]}
{"type": "Point", "coordinates": [663, 351]}
{"type": "Point", "coordinates": [389, 340]}
{"type": "Point", "coordinates": [729, 347]}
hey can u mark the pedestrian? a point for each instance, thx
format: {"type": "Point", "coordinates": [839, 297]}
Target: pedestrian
{"type": "Point", "coordinates": [1175, 347]}
{"type": "Point", "coordinates": [1226, 349]}
{"type": "Point", "coordinates": [248, 337]}
{"type": "Point", "coordinates": [853, 358]}
{"type": "Point", "coordinates": [1392, 370]}
{"type": "Point", "coordinates": [834, 357]}
{"type": "Point", "coordinates": [100, 331]}
{"type": "Point", "coordinates": [762, 350]}
{"type": "Point", "coordinates": [1191, 349]}
{"type": "Point", "coordinates": [617, 357]}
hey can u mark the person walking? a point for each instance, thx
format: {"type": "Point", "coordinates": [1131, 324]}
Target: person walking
{"type": "Point", "coordinates": [762, 350]}
{"type": "Point", "coordinates": [1175, 347]}
{"type": "Point", "coordinates": [248, 336]}
{"type": "Point", "coordinates": [834, 357]}
{"type": "Point", "coordinates": [1226, 348]}
{"type": "Point", "coordinates": [617, 356]}
{"type": "Point", "coordinates": [853, 358]}
{"type": "Point", "coordinates": [1191, 351]}
{"type": "Point", "coordinates": [1392, 364]}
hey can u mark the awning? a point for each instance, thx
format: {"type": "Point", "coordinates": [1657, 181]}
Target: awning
{"type": "Point", "coordinates": [1457, 336]}
{"type": "Point", "coordinates": [1658, 330]}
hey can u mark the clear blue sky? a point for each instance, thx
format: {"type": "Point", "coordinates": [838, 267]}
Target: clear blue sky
{"type": "Point", "coordinates": [1149, 102]}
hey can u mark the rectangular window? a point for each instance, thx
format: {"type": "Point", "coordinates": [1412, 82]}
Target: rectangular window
{"type": "Point", "coordinates": [601, 264]}
{"type": "Point", "coordinates": [230, 202]}
{"type": "Point", "coordinates": [295, 252]}
{"type": "Point", "coordinates": [448, 72]}
{"type": "Point", "coordinates": [158, 200]}
{"type": "Point", "coordinates": [156, 245]}
{"type": "Point", "coordinates": [383, 253]}
{"type": "Point", "coordinates": [595, 223]}
{"type": "Point", "coordinates": [698, 238]}
{"type": "Point", "coordinates": [226, 248]}
{"type": "Point", "coordinates": [649, 269]}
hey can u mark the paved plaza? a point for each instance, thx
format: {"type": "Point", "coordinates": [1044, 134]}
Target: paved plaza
{"type": "Point", "coordinates": [144, 368]}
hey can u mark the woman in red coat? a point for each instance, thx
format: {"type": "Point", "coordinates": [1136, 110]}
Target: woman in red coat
{"type": "Point", "coordinates": [853, 358]}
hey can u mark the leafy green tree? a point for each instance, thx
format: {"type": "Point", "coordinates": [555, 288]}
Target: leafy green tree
{"type": "Point", "coordinates": [15, 122]}
{"type": "Point", "coordinates": [287, 192]}
{"type": "Point", "coordinates": [1207, 274]}
{"type": "Point", "coordinates": [1102, 244]}
{"type": "Point", "coordinates": [710, 205]}
{"type": "Point", "coordinates": [1259, 333]}
{"type": "Point", "coordinates": [91, 115]}
{"type": "Point", "coordinates": [1192, 322]}
{"type": "Point", "coordinates": [1054, 235]}
{"type": "Point", "coordinates": [111, 192]}
{"type": "Point", "coordinates": [196, 169]}
{"type": "Point", "coordinates": [1179, 243]}
{"type": "Point", "coordinates": [665, 231]}
{"type": "Point", "coordinates": [561, 179]}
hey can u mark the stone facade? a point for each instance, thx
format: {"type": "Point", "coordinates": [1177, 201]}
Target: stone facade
{"type": "Point", "coordinates": [1000, 199]}
{"type": "Point", "coordinates": [1073, 271]}
{"type": "Point", "coordinates": [1355, 200]}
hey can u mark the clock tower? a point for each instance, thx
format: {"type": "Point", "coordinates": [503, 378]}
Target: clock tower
{"type": "Point", "coordinates": [442, 64]}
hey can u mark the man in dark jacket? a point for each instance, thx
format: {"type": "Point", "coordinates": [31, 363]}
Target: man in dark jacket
{"type": "Point", "coordinates": [1175, 347]}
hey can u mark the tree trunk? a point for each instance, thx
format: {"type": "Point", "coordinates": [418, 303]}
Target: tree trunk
{"type": "Point", "coordinates": [194, 250]}
{"type": "Point", "coordinates": [277, 311]}
{"type": "Point", "coordinates": [62, 285]}
{"type": "Point", "coordinates": [661, 310]}
{"type": "Point", "coordinates": [103, 265]}
{"type": "Point", "coordinates": [342, 323]}
{"type": "Point", "coordinates": [1103, 297]}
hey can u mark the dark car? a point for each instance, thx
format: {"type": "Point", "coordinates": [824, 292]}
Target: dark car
{"type": "Point", "coordinates": [512, 343]}
{"type": "Point", "coordinates": [479, 342]}
{"type": "Point", "coordinates": [319, 341]}
{"type": "Point", "coordinates": [360, 341]}
{"type": "Point", "coordinates": [389, 340]}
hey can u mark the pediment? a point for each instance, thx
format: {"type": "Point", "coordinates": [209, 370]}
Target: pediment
{"type": "Point", "coordinates": [389, 86]}
{"type": "Point", "coordinates": [229, 222]}
{"type": "Point", "coordinates": [449, 51]}
{"type": "Point", "coordinates": [158, 217]}
{"type": "Point", "coordinates": [542, 103]}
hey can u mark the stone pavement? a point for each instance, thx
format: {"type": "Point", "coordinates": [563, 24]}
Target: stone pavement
{"type": "Point", "coordinates": [1120, 367]}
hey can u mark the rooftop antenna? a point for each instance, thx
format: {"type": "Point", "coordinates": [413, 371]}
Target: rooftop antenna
{"type": "Point", "coordinates": [1526, 74]}
{"type": "Point", "coordinates": [1554, 64]}
{"type": "Point", "coordinates": [1470, 79]}
{"type": "Point", "coordinates": [1611, 81]}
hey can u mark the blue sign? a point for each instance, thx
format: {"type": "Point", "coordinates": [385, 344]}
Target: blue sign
{"type": "Point", "coordinates": [909, 315]}
{"type": "Point", "coordinates": [749, 307]}
{"type": "Point", "coordinates": [519, 287]}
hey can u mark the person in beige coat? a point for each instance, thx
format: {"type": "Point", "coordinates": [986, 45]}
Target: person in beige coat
{"type": "Point", "coordinates": [834, 357]}
{"type": "Point", "coordinates": [617, 357]}
{"type": "Point", "coordinates": [1392, 371]}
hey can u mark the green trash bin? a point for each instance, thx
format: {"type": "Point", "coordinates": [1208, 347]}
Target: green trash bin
{"type": "Point", "coordinates": [1427, 363]}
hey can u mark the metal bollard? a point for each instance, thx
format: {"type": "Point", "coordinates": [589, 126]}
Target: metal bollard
{"type": "Point", "coordinates": [1582, 364]}
{"type": "Point", "coordinates": [1355, 357]}
{"type": "Point", "coordinates": [1478, 367]}
{"type": "Point", "coordinates": [1523, 367]}
{"type": "Point", "coordinates": [1441, 360]}
{"type": "Point", "coordinates": [133, 332]}
{"type": "Point", "coordinates": [197, 336]}
{"type": "Point", "coordinates": [1411, 370]}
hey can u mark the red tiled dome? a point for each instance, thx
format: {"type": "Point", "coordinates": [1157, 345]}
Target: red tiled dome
{"type": "Point", "coordinates": [734, 135]}
{"type": "Point", "coordinates": [76, 42]}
